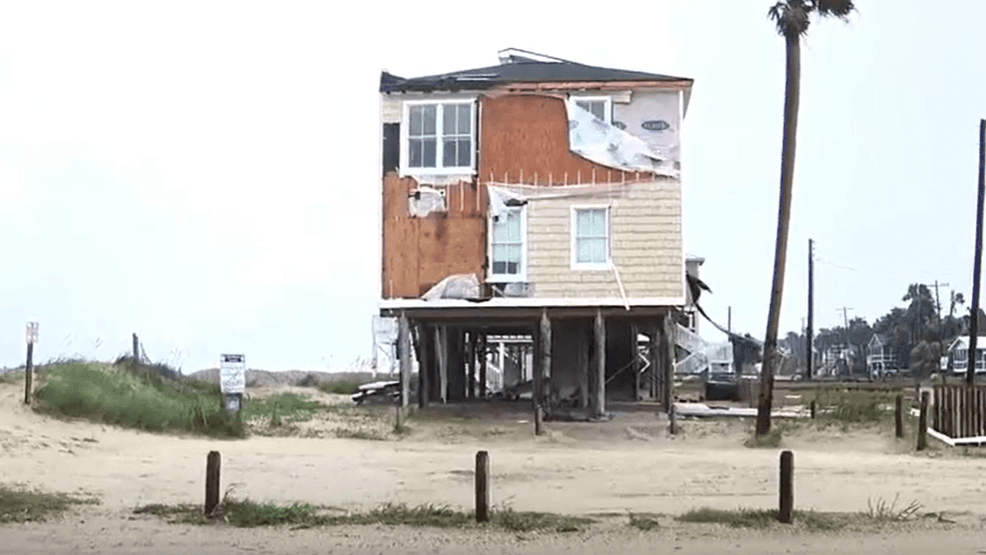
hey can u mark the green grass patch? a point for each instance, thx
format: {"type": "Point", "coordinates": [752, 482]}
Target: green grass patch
{"type": "Point", "coordinates": [771, 439]}
{"type": "Point", "coordinates": [249, 513]}
{"type": "Point", "coordinates": [644, 521]}
{"type": "Point", "coordinates": [280, 409]}
{"type": "Point", "coordinates": [19, 504]}
{"type": "Point", "coordinates": [878, 514]}
{"type": "Point", "coordinates": [854, 406]}
{"type": "Point", "coordinates": [149, 402]}
{"type": "Point", "coordinates": [341, 387]}
{"type": "Point", "coordinates": [12, 377]}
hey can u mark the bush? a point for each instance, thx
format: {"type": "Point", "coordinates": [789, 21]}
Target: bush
{"type": "Point", "coordinates": [152, 403]}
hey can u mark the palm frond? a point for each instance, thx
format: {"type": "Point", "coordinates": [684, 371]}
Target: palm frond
{"type": "Point", "coordinates": [791, 16]}
{"type": "Point", "coordinates": [834, 8]}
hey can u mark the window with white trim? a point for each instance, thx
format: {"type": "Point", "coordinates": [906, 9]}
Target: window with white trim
{"type": "Point", "coordinates": [590, 238]}
{"type": "Point", "coordinates": [507, 246]}
{"type": "Point", "coordinates": [599, 106]}
{"type": "Point", "coordinates": [439, 136]}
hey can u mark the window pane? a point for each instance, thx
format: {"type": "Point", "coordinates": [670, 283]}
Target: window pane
{"type": "Point", "coordinates": [499, 252]}
{"type": "Point", "coordinates": [500, 230]}
{"type": "Point", "coordinates": [429, 153]}
{"type": "Point", "coordinates": [465, 153]}
{"type": "Point", "coordinates": [448, 153]}
{"type": "Point", "coordinates": [598, 223]}
{"type": "Point", "coordinates": [582, 223]}
{"type": "Point", "coordinates": [465, 123]}
{"type": "Point", "coordinates": [448, 119]}
{"type": "Point", "coordinates": [415, 113]}
{"type": "Point", "coordinates": [597, 248]}
{"type": "Point", "coordinates": [583, 104]}
{"type": "Point", "coordinates": [513, 253]}
{"type": "Point", "coordinates": [582, 252]}
{"type": "Point", "coordinates": [513, 268]}
{"type": "Point", "coordinates": [414, 153]}
{"type": "Point", "coordinates": [429, 117]}
{"type": "Point", "coordinates": [513, 226]}
{"type": "Point", "coordinates": [499, 267]}
{"type": "Point", "coordinates": [598, 109]}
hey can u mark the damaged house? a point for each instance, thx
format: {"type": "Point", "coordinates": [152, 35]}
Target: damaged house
{"type": "Point", "coordinates": [535, 205]}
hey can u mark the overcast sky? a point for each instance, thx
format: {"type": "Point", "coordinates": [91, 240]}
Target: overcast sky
{"type": "Point", "coordinates": [205, 173]}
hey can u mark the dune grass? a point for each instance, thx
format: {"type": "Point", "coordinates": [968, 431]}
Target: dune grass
{"type": "Point", "coordinates": [247, 513]}
{"type": "Point", "coordinates": [144, 399]}
{"type": "Point", "coordinates": [280, 409]}
{"type": "Point", "coordinates": [20, 504]}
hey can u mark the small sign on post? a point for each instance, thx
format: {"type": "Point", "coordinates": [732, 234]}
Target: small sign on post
{"type": "Point", "coordinates": [32, 333]}
{"type": "Point", "coordinates": [232, 381]}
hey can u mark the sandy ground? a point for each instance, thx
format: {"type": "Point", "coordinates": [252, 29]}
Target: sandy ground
{"type": "Point", "coordinates": [629, 463]}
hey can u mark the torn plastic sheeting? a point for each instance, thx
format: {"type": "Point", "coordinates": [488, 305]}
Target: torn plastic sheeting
{"type": "Point", "coordinates": [424, 200]}
{"type": "Point", "coordinates": [456, 286]}
{"type": "Point", "coordinates": [501, 199]}
{"type": "Point", "coordinates": [605, 144]}
{"type": "Point", "coordinates": [506, 196]}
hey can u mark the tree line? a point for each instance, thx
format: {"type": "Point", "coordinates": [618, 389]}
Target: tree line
{"type": "Point", "coordinates": [918, 335]}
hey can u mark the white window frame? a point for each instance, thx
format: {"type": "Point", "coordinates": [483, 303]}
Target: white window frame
{"type": "Point", "coordinates": [509, 278]}
{"type": "Point", "coordinates": [438, 169]}
{"type": "Point", "coordinates": [573, 228]}
{"type": "Point", "coordinates": [606, 100]}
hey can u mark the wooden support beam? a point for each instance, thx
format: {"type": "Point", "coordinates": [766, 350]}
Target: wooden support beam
{"type": "Point", "coordinates": [441, 352]}
{"type": "Point", "coordinates": [654, 356]}
{"type": "Point", "coordinates": [404, 355]}
{"type": "Point", "coordinates": [470, 344]}
{"type": "Point", "coordinates": [582, 344]}
{"type": "Point", "coordinates": [599, 407]}
{"type": "Point", "coordinates": [544, 364]}
{"type": "Point", "coordinates": [482, 366]}
{"type": "Point", "coordinates": [667, 357]}
{"type": "Point", "coordinates": [634, 367]}
{"type": "Point", "coordinates": [424, 365]}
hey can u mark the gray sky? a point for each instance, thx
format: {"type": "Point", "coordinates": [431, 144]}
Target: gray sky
{"type": "Point", "coordinates": [205, 173]}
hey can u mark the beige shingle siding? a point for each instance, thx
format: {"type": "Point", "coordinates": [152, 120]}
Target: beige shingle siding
{"type": "Point", "coordinates": [646, 245]}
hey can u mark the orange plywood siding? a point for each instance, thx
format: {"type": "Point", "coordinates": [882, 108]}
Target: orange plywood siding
{"type": "Point", "coordinates": [525, 137]}
{"type": "Point", "coordinates": [418, 252]}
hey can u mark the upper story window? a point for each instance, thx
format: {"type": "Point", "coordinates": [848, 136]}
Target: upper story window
{"type": "Point", "coordinates": [439, 137]}
{"type": "Point", "coordinates": [599, 106]}
{"type": "Point", "coordinates": [590, 238]}
{"type": "Point", "coordinates": [507, 246]}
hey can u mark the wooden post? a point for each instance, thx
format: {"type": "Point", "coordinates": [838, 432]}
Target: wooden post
{"type": "Point", "coordinates": [28, 369]}
{"type": "Point", "coordinates": [441, 352]}
{"type": "Point", "coordinates": [482, 366]}
{"type": "Point", "coordinates": [470, 345]}
{"type": "Point", "coordinates": [600, 367]}
{"type": "Point", "coordinates": [672, 420]}
{"type": "Point", "coordinates": [398, 418]}
{"type": "Point", "coordinates": [654, 355]}
{"type": "Point", "coordinates": [404, 355]}
{"type": "Point", "coordinates": [582, 358]}
{"type": "Point", "coordinates": [136, 353]}
{"type": "Point", "coordinates": [787, 487]}
{"type": "Point", "coordinates": [923, 423]}
{"type": "Point", "coordinates": [482, 486]}
{"type": "Point", "coordinates": [634, 332]}
{"type": "Point", "coordinates": [666, 353]}
{"type": "Point", "coordinates": [973, 358]}
{"type": "Point", "coordinates": [544, 366]}
{"type": "Point", "coordinates": [538, 419]}
{"type": "Point", "coordinates": [424, 365]}
{"type": "Point", "coordinates": [899, 417]}
{"type": "Point", "coordinates": [813, 409]}
{"type": "Point", "coordinates": [211, 482]}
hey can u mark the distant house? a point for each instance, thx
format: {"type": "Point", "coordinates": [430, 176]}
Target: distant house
{"type": "Point", "coordinates": [879, 355]}
{"type": "Point", "coordinates": [959, 353]}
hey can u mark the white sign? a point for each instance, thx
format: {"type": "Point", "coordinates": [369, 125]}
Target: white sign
{"type": "Point", "coordinates": [32, 332]}
{"type": "Point", "coordinates": [232, 373]}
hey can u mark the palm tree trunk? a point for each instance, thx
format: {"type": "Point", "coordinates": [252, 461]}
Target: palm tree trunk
{"type": "Point", "coordinates": [770, 358]}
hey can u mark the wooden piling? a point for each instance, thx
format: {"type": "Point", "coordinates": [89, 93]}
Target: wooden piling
{"type": "Point", "coordinates": [786, 507]}
{"type": "Point", "coordinates": [212, 482]}
{"type": "Point", "coordinates": [482, 486]}
{"type": "Point", "coordinates": [672, 420]}
{"type": "Point", "coordinates": [923, 423]}
{"type": "Point", "coordinates": [813, 410]}
{"type": "Point", "coordinates": [599, 405]}
{"type": "Point", "coordinates": [424, 366]}
{"type": "Point", "coordinates": [404, 356]}
{"type": "Point", "coordinates": [28, 372]}
{"type": "Point", "coordinates": [544, 366]}
{"type": "Point", "coordinates": [538, 420]}
{"type": "Point", "coordinates": [899, 416]}
{"type": "Point", "coordinates": [482, 366]}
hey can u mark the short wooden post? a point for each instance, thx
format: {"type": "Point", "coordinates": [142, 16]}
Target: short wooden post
{"type": "Point", "coordinates": [538, 419]}
{"type": "Point", "coordinates": [812, 409]}
{"type": "Point", "coordinates": [136, 353]}
{"type": "Point", "coordinates": [398, 418]}
{"type": "Point", "coordinates": [672, 420]}
{"type": "Point", "coordinates": [212, 482]}
{"type": "Point", "coordinates": [899, 416]}
{"type": "Point", "coordinates": [787, 487]}
{"type": "Point", "coordinates": [923, 422]}
{"type": "Point", "coordinates": [482, 486]}
{"type": "Point", "coordinates": [28, 369]}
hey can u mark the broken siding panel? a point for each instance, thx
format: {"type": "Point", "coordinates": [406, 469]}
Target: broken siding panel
{"type": "Point", "coordinates": [647, 250]}
{"type": "Point", "coordinates": [418, 252]}
{"type": "Point", "coordinates": [646, 116]}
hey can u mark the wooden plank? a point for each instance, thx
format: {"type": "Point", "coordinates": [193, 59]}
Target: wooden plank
{"type": "Point", "coordinates": [600, 365]}
{"type": "Point", "coordinates": [544, 365]}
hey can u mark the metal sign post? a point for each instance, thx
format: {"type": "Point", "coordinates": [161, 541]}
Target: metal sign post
{"type": "Point", "coordinates": [232, 381]}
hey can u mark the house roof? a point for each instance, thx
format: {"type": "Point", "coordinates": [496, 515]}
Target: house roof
{"type": "Point", "coordinates": [518, 66]}
{"type": "Point", "coordinates": [962, 342]}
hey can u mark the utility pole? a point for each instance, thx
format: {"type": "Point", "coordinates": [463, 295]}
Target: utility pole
{"type": "Point", "coordinates": [970, 375]}
{"type": "Point", "coordinates": [811, 289]}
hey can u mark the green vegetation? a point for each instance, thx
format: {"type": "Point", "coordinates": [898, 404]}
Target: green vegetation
{"type": "Point", "coordinates": [341, 387]}
{"type": "Point", "coordinates": [644, 521]}
{"type": "Point", "coordinates": [281, 408]}
{"type": "Point", "coordinates": [19, 504]}
{"type": "Point", "coordinates": [882, 511]}
{"type": "Point", "coordinates": [144, 399]}
{"type": "Point", "coordinates": [248, 513]}
{"type": "Point", "coordinates": [854, 406]}
{"type": "Point", "coordinates": [12, 377]}
{"type": "Point", "coordinates": [771, 439]}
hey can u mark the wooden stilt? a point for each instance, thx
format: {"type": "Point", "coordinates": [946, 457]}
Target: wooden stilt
{"type": "Point", "coordinates": [544, 364]}
{"type": "Point", "coordinates": [441, 352]}
{"type": "Point", "coordinates": [404, 356]}
{"type": "Point", "coordinates": [653, 355]}
{"type": "Point", "coordinates": [482, 365]}
{"type": "Point", "coordinates": [599, 407]}
{"type": "Point", "coordinates": [584, 368]}
{"type": "Point", "coordinates": [634, 367]}
{"type": "Point", "coordinates": [424, 365]}
{"type": "Point", "coordinates": [667, 355]}
{"type": "Point", "coordinates": [470, 340]}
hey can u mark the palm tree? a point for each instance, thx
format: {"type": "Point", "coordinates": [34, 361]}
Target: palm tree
{"type": "Point", "coordinates": [791, 18]}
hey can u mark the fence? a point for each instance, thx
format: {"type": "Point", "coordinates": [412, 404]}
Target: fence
{"type": "Point", "coordinates": [959, 411]}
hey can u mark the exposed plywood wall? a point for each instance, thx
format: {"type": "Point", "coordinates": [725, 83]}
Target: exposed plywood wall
{"type": "Point", "coordinates": [419, 252]}
{"type": "Point", "coordinates": [646, 245]}
{"type": "Point", "coordinates": [526, 135]}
